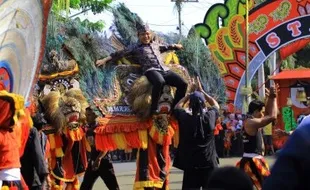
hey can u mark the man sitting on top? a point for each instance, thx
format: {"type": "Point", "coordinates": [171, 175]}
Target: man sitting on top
{"type": "Point", "coordinates": [146, 53]}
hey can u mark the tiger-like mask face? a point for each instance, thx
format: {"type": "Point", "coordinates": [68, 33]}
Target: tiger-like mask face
{"type": "Point", "coordinates": [71, 109]}
{"type": "Point", "coordinates": [65, 110]}
{"type": "Point", "coordinates": [165, 100]}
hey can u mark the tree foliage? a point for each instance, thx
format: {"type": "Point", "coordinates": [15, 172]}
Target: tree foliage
{"type": "Point", "coordinates": [196, 57]}
{"type": "Point", "coordinates": [302, 57]}
{"type": "Point", "coordinates": [289, 62]}
{"type": "Point", "coordinates": [93, 26]}
{"type": "Point", "coordinates": [96, 6]}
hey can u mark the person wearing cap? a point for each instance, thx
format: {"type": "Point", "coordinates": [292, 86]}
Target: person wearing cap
{"type": "Point", "coordinates": [99, 162]}
{"type": "Point", "coordinates": [252, 161]}
{"type": "Point", "coordinates": [147, 53]}
{"type": "Point", "coordinates": [196, 154]}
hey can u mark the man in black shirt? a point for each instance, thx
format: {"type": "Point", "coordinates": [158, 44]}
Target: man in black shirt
{"type": "Point", "coordinates": [34, 167]}
{"type": "Point", "coordinates": [196, 154]}
{"type": "Point", "coordinates": [146, 53]}
{"type": "Point", "coordinates": [100, 162]}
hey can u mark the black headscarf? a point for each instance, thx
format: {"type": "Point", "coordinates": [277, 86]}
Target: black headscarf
{"type": "Point", "coordinates": [197, 104]}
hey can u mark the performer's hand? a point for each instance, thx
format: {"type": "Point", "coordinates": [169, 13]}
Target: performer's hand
{"type": "Point", "coordinates": [193, 85]}
{"type": "Point", "coordinates": [199, 85]}
{"type": "Point", "coordinates": [178, 46]}
{"type": "Point", "coordinates": [96, 164]}
{"type": "Point", "coordinates": [101, 62]}
{"type": "Point", "coordinates": [267, 92]}
{"type": "Point", "coordinates": [272, 90]}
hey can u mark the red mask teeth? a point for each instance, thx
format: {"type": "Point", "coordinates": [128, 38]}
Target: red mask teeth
{"type": "Point", "coordinates": [164, 109]}
{"type": "Point", "coordinates": [73, 118]}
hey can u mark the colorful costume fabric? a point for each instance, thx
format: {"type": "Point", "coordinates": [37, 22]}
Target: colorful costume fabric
{"type": "Point", "coordinates": [153, 163]}
{"type": "Point", "coordinates": [256, 168]}
{"type": "Point", "coordinates": [152, 137]}
{"type": "Point", "coordinates": [252, 162]}
{"type": "Point", "coordinates": [14, 130]}
{"type": "Point", "coordinates": [67, 158]}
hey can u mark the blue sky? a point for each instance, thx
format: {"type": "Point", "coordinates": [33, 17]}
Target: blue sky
{"type": "Point", "coordinates": [160, 14]}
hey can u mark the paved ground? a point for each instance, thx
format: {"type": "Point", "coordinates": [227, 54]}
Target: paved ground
{"type": "Point", "coordinates": [126, 172]}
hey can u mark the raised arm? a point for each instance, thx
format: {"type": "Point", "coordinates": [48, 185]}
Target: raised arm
{"type": "Point", "coordinates": [272, 106]}
{"type": "Point", "coordinates": [182, 102]}
{"type": "Point", "coordinates": [116, 55]}
{"type": "Point", "coordinates": [103, 61]}
{"type": "Point", "coordinates": [208, 98]}
{"type": "Point", "coordinates": [271, 112]}
{"type": "Point", "coordinates": [170, 47]}
{"type": "Point", "coordinates": [211, 100]}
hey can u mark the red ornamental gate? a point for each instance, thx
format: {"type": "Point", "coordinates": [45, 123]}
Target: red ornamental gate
{"type": "Point", "coordinates": [271, 27]}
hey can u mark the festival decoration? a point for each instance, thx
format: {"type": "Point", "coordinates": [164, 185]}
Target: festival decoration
{"type": "Point", "coordinates": [58, 75]}
{"type": "Point", "coordinates": [272, 26]}
{"type": "Point", "coordinates": [22, 40]}
{"type": "Point", "coordinates": [114, 89]}
{"type": "Point", "coordinates": [288, 119]}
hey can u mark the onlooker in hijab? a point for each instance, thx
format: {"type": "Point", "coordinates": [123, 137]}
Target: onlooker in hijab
{"type": "Point", "coordinates": [196, 154]}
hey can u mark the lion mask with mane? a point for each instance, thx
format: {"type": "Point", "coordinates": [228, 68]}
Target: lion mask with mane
{"type": "Point", "coordinates": [65, 110]}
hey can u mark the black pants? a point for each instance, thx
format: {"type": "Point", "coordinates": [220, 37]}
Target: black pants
{"type": "Point", "coordinates": [196, 178]}
{"type": "Point", "coordinates": [159, 78]}
{"type": "Point", "coordinates": [105, 171]}
{"type": "Point", "coordinates": [36, 188]}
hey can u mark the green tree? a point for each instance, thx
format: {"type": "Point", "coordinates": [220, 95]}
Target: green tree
{"type": "Point", "coordinates": [93, 26]}
{"type": "Point", "coordinates": [302, 57]}
{"type": "Point", "coordinates": [289, 62]}
{"type": "Point", "coordinates": [96, 6]}
{"type": "Point", "coordinates": [196, 57]}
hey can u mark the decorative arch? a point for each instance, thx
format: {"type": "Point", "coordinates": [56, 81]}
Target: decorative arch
{"type": "Point", "coordinates": [272, 26]}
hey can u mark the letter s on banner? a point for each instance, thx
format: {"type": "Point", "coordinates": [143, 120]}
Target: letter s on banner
{"type": "Point", "coordinates": [273, 40]}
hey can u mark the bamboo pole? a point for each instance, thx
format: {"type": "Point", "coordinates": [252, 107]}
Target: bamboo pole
{"type": "Point", "coordinates": [246, 46]}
